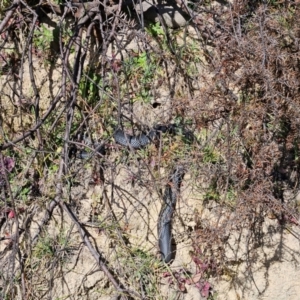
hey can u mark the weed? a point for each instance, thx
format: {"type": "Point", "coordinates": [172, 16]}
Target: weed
{"type": "Point", "coordinates": [50, 248]}
{"type": "Point", "coordinates": [4, 4]}
{"type": "Point", "coordinates": [43, 37]}
{"type": "Point", "coordinates": [45, 248]}
{"type": "Point", "coordinates": [156, 30]}
{"type": "Point", "coordinates": [143, 269]}
{"type": "Point", "coordinates": [212, 194]}
{"type": "Point", "coordinates": [231, 198]}
{"type": "Point", "coordinates": [274, 3]}
{"type": "Point", "coordinates": [211, 155]}
{"type": "Point", "coordinates": [88, 89]}
{"type": "Point", "coordinates": [142, 67]}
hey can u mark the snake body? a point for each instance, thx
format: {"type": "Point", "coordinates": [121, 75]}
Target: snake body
{"type": "Point", "coordinates": [135, 142]}
{"type": "Point", "coordinates": [99, 148]}
{"type": "Point", "coordinates": [143, 139]}
{"type": "Point", "coordinates": [164, 227]}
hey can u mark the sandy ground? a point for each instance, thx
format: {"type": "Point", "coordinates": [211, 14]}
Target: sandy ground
{"type": "Point", "coordinates": [262, 265]}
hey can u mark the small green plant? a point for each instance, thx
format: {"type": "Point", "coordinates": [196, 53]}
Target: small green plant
{"type": "Point", "coordinates": [43, 37]}
{"type": "Point", "coordinates": [143, 62]}
{"type": "Point", "coordinates": [275, 3]}
{"type": "Point", "coordinates": [155, 30]}
{"type": "Point", "coordinates": [88, 89]}
{"type": "Point", "coordinates": [286, 20]}
{"type": "Point", "coordinates": [24, 193]}
{"type": "Point", "coordinates": [212, 194]}
{"type": "Point", "coordinates": [210, 155]}
{"type": "Point", "coordinates": [4, 4]}
{"type": "Point", "coordinates": [44, 248]}
{"type": "Point", "coordinates": [231, 197]}
{"type": "Point", "coordinates": [49, 247]}
{"type": "Point", "coordinates": [192, 69]}
{"type": "Point", "coordinates": [144, 267]}
{"type": "Point", "coordinates": [244, 98]}
{"type": "Point", "coordinates": [144, 68]}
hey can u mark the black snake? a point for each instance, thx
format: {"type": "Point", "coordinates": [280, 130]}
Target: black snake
{"type": "Point", "coordinates": [143, 139]}
{"type": "Point", "coordinates": [164, 225]}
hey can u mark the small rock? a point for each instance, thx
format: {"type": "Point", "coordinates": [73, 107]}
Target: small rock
{"type": "Point", "coordinates": [173, 16]}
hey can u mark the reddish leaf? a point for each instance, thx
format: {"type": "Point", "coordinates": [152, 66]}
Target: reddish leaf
{"type": "Point", "coordinates": [9, 163]}
{"type": "Point", "coordinates": [205, 289]}
{"type": "Point", "coordinates": [294, 221]}
{"type": "Point", "coordinates": [166, 274]}
{"type": "Point", "coordinates": [181, 286]}
{"type": "Point", "coordinates": [11, 214]}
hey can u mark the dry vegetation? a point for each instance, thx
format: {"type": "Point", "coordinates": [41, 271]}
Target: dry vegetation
{"type": "Point", "coordinates": [69, 75]}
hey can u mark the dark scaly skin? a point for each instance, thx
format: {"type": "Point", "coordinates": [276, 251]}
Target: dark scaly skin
{"type": "Point", "coordinates": [86, 155]}
{"type": "Point", "coordinates": [142, 140]}
{"type": "Point", "coordinates": [164, 226]}
{"type": "Point", "coordinates": [135, 142]}
{"type": "Point", "coordinates": [172, 189]}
